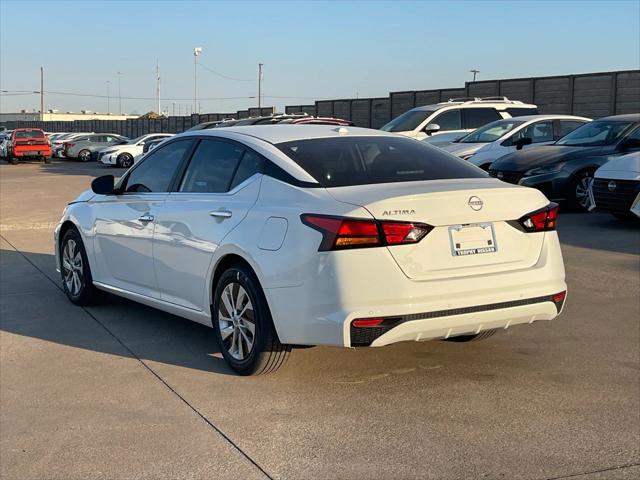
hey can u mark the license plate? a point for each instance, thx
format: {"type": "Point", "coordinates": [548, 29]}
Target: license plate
{"type": "Point", "coordinates": [31, 153]}
{"type": "Point", "coordinates": [472, 239]}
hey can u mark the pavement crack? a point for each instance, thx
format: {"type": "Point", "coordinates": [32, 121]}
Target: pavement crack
{"type": "Point", "coordinates": [607, 469]}
{"type": "Point", "coordinates": [153, 372]}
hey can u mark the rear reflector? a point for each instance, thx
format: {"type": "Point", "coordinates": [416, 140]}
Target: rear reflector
{"type": "Point", "coordinates": [543, 220]}
{"type": "Point", "coordinates": [367, 322]}
{"type": "Point", "coordinates": [341, 233]}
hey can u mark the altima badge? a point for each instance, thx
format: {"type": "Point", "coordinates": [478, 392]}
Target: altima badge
{"type": "Point", "coordinates": [475, 203]}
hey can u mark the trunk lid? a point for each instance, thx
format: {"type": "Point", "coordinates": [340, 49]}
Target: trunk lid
{"type": "Point", "coordinates": [446, 205]}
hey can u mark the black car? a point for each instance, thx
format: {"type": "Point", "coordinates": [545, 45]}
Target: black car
{"type": "Point", "coordinates": [564, 169]}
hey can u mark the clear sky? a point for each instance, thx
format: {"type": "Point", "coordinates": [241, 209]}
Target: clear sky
{"type": "Point", "coordinates": [310, 49]}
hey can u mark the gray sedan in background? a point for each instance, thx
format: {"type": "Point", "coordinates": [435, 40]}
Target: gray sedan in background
{"type": "Point", "coordinates": [83, 148]}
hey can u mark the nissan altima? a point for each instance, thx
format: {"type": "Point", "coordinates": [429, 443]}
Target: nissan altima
{"type": "Point", "coordinates": [283, 235]}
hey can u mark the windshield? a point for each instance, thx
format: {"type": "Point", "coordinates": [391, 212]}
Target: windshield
{"type": "Point", "coordinates": [342, 161]}
{"type": "Point", "coordinates": [595, 134]}
{"type": "Point", "coordinates": [491, 132]}
{"type": "Point", "coordinates": [135, 140]}
{"type": "Point", "coordinates": [30, 134]}
{"type": "Point", "coordinates": [408, 121]}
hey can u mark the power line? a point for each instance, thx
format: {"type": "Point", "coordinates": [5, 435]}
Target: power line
{"type": "Point", "coordinates": [225, 76]}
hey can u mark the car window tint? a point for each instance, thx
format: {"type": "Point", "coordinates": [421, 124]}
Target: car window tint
{"type": "Point", "coordinates": [538, 132]}
{"type": "Point", "coordinates": [250, 164]}
{"type": "Point", "coordinates": [212, 167]}
{"type": "Point", "coordinates": [155, 172]}
{"type": "Point", "coordinates": [344, 161]}
{"type": "Point", "coordinates": [568, 126]}
{"type": "Point", "coordinates": [477, 117]}
{"type": "Point", "coordinates": [448, 120]}
{"type": "Point", "coordinates": [519, 111]}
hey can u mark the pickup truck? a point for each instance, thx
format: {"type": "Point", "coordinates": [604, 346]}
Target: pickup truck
{"type": "Point", "coordinates": [28, 143]}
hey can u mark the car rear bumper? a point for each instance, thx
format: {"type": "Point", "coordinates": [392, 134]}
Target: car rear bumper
{"type": "Point", "coordinates": [31, 152]}
{"type": "Point", "coordinates": [370, 285]}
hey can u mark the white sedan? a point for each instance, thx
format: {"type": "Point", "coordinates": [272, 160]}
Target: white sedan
{"type": "Point", "coordinates": [616, 186]}
{"type": "Point", "coordinates": [497, 139]}
{"type": "Point", "coordinates": [129, 153]}
{"type": "Point", "coordinates": [286, 235]}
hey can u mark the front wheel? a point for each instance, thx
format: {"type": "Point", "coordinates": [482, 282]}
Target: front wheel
{"type": "Point", "coordinates": [84, 155]}
{"type": "Point", "coordinates": [578, 194]}
{"type": "Point", "coordinates": [77, 281]}
{"type": "Point", "coordinates": [125, 160]}
{"type": "Point", "coordinates": [243, 324]}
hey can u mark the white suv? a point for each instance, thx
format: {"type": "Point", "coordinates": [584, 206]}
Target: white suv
{"type": "Point", "coordinates": [447, 121]}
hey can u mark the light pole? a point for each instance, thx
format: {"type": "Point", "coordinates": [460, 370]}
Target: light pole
{"type": "Point", "coordinates": [108, 98]}
{"type": "Point", "coordinates": [260, 65]}
{"type": "Point", "coordinates": [173, 109]}
{"type": "Point", "coordinates": [196, 53]}
{"type": "Point", "coordinates": [475, 72]}
{"type": "Point", "coordinates": [119, 94]}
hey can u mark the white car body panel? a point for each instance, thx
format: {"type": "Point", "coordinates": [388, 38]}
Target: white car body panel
{"type": "Point", "coordinates": [626, 167]}
{"type": "Point", "coordinates": [313, 296]}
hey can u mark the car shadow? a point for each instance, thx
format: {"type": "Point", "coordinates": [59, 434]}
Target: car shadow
{"type": "Point", "coordinates": [34, 307]}
{"type": "Point", "coordinates": [599, 231]}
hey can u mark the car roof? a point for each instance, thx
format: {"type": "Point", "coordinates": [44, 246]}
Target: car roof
{"type": "Point", "coordinates": [629, 117]}
{"type": "Point", "coordinates": [288, 132]}
{"type": "Point", "coordinates": [530, 118]}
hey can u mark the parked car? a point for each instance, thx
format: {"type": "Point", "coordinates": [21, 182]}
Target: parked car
{"type": "Point", "coordinates": [308, 234]}
{"type": "Point", "coordinates": [83, 148]}
{"type": "Point", "coordinates": [28, 143]}
{"type": "Point", "coordinates": [151, 144]}
{"type": "Point", "coordinates": [564, 169]}
{"type": "Point", "coordinates": [125, 155]}
{"type": "Point", "coordinates": [5, 135]}
{"type": "Point", "coordinates": [486, 144]}
{"type": "Point", "coordinates": [317, 121]}
{"type": "Point", "coordinates": [447, 121]}
{"type": "Point", "coordinates": [616, 187]}
{"type": "Point", "coordinates": [205, 125]}
{"type": "Point", "coordinates": [57, 145]}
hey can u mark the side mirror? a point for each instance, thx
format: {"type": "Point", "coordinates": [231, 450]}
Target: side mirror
{"type": "Point", "coordinates": [521, 142]}
{"type": "Point", "coordinates": [629, 144]}
{"type": "Point", "coordinates": [103, 185]}
{"type": "Point", "coordinates": [431, 128]}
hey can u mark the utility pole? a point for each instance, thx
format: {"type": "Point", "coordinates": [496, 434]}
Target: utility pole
{"type": "Point", "coordinates": [475, 72]}
{"type": "Point", "coordinates": [260, 65]}
{"type": "Point", "coordinates": [42, 93]}
{"type": "Point", "coordinates": [196, 53]}
{"type": "Point", "coordinates": [158, 84]}
{"type": "Point", "coordinates": [108, 98]}
{"type": "Point", "coordinates": [119, 94]}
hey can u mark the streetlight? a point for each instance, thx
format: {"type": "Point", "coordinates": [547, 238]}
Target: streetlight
{"type": "Point", "coordinates": [196, 53]}
{"type": "Point", "coordinates": [475, 72]}
{"type": "Point", "coordinates": [108, 98]}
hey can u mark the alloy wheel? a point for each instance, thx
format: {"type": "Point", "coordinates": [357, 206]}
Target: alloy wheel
{"type": "Point", "coordinates": [236, 321]}
{"type": "Point", "coordinates": [85, 156]}
{"type": "Point", "coordinates": [582, 191]}
{"type": "Point", "coordinates": [72, 268]}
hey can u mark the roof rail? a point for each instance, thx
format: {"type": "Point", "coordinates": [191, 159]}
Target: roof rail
{"type": "Point", "coordinates": [483, 99]}
{"type": "Point", "coordinates": [464, 99]}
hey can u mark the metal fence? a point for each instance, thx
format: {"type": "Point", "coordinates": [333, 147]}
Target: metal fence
{"type": "Point", "coordinates": [591, 95]}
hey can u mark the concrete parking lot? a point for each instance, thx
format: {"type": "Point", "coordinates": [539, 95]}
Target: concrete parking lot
{"type": "Point", "coordinates": [125, 391]}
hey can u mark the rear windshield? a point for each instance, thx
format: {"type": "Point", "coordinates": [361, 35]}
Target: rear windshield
{"type": "Point", "coordinates": [30, 134]}
{"type": "Point", "coordinates": [345, 161]}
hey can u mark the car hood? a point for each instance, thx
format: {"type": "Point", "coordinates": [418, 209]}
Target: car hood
{"type": "Point", "coordinates": [83, 197]}
{"type": "Point", "coordinates": [540, 156]}
{"type": "Point", "coordinates": [629, 164]}
{"type": "Point", "coordinates": [462, 149]}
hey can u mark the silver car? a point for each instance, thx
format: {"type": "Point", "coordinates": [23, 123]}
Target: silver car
{"type": "Point", "coordinates": [82, 148]}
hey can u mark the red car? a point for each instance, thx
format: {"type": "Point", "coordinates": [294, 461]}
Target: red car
{"type": "Point", "coordinates": [28, 143]}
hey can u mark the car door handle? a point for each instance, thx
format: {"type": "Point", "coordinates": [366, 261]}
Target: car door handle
{"type": "Point", "coordinates": [146, 218]}
{"type": "Point", "coordinates": [220, 213]}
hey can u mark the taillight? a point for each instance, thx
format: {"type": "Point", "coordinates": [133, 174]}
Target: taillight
{"type": "Point", "coordinates": [543, 220]}
{"type": "Point", "coordinates": [340, 233]}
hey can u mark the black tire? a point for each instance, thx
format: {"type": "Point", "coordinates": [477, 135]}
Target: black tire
{"type": "Point", "coordinates": [266, 353]}
{"type": "Point", "coordinates": [472, 338]}
{"type": "Point", "coordinates": [84, 155]}
{"type": "Point", "coordinates": [124, 160]}
{"type": "Point", "coordinates": [577, 190]}
{"type": "Point", "coordinates": [46, 159]}
{"type": "Point", "coordinates": [86, 293]}
{"type": "Point", "coordinates": [13, 160]}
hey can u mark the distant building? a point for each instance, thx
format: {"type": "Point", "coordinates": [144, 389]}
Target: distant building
{"type": "Point", "coordinates": [61, 117]}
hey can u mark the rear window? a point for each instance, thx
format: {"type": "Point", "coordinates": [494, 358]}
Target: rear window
{"type": "Point", "coordinates": [30, 134]}
{"type": "Point", "coordinates": [408, 121]}
{"type": "Point", "coordinates": [346, 161]}
{"type": "Point", "coordinates": [521, 112]}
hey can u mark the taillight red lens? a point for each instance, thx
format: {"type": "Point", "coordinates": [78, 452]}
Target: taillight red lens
{"type": "Point", "coordinates": [367, 322]}
{"type": "Point", "coordinates": [341, 233]}
{"type": "Point", "coordinates": [543, 220]}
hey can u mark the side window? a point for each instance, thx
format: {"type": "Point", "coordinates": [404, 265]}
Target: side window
{"type": "Point", "coordinates": [250, 164]}
{"type": "Point", "coordinates": [448, 120]}
{"type": "Point", "coordinates": [519, 111]}
{"type": "Point", "coordinates": [212, 167]}
{"type": "Point", "coordinates": [477, 117]}
{"type": "Point", "coordinates": [567, 126]}
{"type": "Point", "coordinates": [155, 172]}
{"type": "Point", "coordinates": [538, 132]}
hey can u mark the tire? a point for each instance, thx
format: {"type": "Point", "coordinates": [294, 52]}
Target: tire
{"type": "Point", "coordinates": [46, 159]}
{"type": "Point", "coordinates": [13, 160]}
{"type": "Point", "coordinates": [84, 155]}
{"type": "Point", "coordinates": [77, 281]}
{"type": "Point", "coordinates": [240, 288]}
{"type": "Point", "coordinates": [472, 338]}
{"type": "Point", "coordinates": [577, 195]}
{"type": "Point", "coordinates": [124, 160]}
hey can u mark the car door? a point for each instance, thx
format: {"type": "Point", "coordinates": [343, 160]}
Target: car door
{"type": "Point", "coordinates": [124, 223]}
{"type": "Point", "coordinates": [219, 186]}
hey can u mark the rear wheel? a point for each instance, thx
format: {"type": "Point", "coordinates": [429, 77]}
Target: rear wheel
{"type": "Point", "coordinates": [46, 159]}
{"type": "Point", "coordinates": [77, 281]}
{"type": "Point", "coordinates": [84, 155]}
{"type": "Point", "coordinates": [13, 160]}
{"type": "Point", "coordinates": [125, 160]}
{"type": "Point", "coordinates": [472, 338]}
{"type": "Point", "coordinates": [243, 325]}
